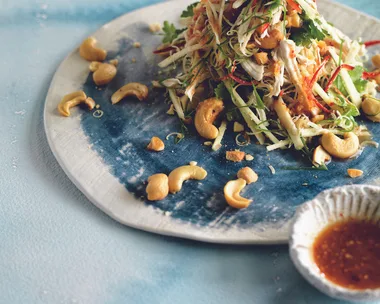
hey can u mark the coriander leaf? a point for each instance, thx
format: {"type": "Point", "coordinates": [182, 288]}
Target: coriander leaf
{"type": "Point", "coordinates": [189, 12]}
{"type": "Point", "coordinates": [351, 110]}
{"type": "Point", "coordinates": [221, 92]}
{"type": "Point", "coordinates": [170, 32]}
{"type": "Point", "coordinates": [307, 33]}
{"type": "Point", "coordinates": [259, 102]}
{"type": "Point", "coordinates": [357, 78]}
{"type": "Point", "coordinates": [275, 4]}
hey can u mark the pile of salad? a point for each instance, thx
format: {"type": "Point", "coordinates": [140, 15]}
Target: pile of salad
{"type": "Point", "coordinates": [279, 67]}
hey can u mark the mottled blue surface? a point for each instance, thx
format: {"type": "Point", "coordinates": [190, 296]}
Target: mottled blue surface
{"type": "Point", "coordinates": [122, 133]}
{"type": "Point", "coordinates": [56, 247]}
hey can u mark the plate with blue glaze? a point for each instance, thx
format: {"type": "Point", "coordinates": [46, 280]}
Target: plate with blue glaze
{"type": "Point", "coordinates": [106, 157]}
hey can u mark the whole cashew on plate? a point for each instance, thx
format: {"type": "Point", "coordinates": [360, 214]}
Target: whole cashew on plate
{"type": "Point", "coordinates": [341, 148]}
{"type": "Point", "coordinates": [104, 73]}
{"type": "Point", "coordinates": [232, 194]}
{"type": "Point", "coordinates": [181, 174]}
{"type": "Point", "coordinates": [140, 91]}
{"type": "Point", "coordinates": [71, 100]}
{"type": "Point", "coordinates": [158, 187]}
{"type": "Point", "coordinates": [206, 113]}
{"type": "Point", "coordinates": [90, 52]}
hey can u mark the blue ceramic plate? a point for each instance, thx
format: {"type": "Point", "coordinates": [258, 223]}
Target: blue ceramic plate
{"type": "Point", "coordinates": [106, 157]}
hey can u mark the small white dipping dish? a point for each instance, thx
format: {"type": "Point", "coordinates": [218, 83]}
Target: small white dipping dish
{"type": "Point", "coordinates": [329, 207]}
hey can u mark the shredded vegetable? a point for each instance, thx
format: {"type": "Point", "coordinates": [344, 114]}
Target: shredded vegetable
{"type": "Point", "coordinates": [278, 66]}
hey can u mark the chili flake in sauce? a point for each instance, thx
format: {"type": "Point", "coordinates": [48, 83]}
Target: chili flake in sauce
{"type": "Point", "coordinates": [348, 254]}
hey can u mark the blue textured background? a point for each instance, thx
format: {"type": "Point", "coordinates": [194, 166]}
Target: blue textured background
{"type": "Point", "coordinates": [56, 247]}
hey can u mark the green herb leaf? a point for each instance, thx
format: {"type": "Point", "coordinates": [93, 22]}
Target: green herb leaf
{"type": "Point", "coordinates": [259, 102]}
{"type": "Point", "coordinates": [357, 77]}
{"type": "Point", "coordinates": [221, 92]}
{"type": "Point", "coordinates": [189, 12]}
{"type": "Point", "coordinates": [170, 32]}
{"type": "Point", "coordinates": [307, 33]}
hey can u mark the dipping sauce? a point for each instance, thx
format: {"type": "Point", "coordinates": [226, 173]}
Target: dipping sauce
{"type": "Point", "coordinates": [348, 254]}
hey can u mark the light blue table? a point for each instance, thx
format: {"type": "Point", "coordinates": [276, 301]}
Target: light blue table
{"type": "Point", "coordinates": [55, 246]}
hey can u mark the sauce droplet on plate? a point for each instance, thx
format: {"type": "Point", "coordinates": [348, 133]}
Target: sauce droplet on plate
{"type": "Point", "coordinates": [348, 254]}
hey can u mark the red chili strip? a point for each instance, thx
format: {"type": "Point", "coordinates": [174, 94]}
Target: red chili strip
{"type": "Point", "coordinates": [370, 75]}
{"type": "Point", "coordinates": [295, 6]}
{"type": "Point", "coordinates": [316, 74]}
{"type": "Point", "coordinates": [240, 81]}
{"type": "Point", "coordinates": [165, 50]}
{"type": "Point", "coordinates": [262, 28]}
{"type": "Point", "coordinates": [336, 73]}
{"type": "Point", "coordinates": [321, 106]}
{"type": "Point", "coordinates": [371, 43]}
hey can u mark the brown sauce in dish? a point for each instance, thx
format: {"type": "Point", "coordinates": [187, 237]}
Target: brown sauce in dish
{"type": "Point", "coordinates": [348, 254]}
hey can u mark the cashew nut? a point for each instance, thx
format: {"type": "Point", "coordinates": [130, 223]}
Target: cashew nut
{"type": "Point", "coordinates": [72, 100]}
{"type": "Point", "coordinates": [293, 20]}
{"type": "Point", "coordinates": [156, 144]}
{"type": "Point", "coordinates": [376, 60]}
{"type": "Point", "coordinates": [104, 73]}
{"type": "Point", "coordinates": [232, 194]}
{"type": "Point", "coordinates": [206, 113]}
{"type": "Point", "coordinates": [158, 187]}
{"type": "Point", "coordinates": [320, 156]}
{"type": "Point", "coordinates": [90, 52]}
{"type": "Point", "coordinates": [235, 156]}
{"type": "Point", "coordinates": [371, 107]}
{"type": "Point", "coordinates": [354, 173]}
{"type": "Point", "coordinates": [131, 89]}
{"type": "Point", "coordinates": [238, 127]}
{"type": "Point", "coordinates": [341, 148]}
{"type": "Point", "coordinates": [248, 175]}
{"type": "Point", "coordinates": [181, 174]}
{"type": "Point", "coordinates": [114, 62]}
{"type": "Point", "coordinates": [261, 58]}
{"type": "Point", "coordinates": [272, 40]}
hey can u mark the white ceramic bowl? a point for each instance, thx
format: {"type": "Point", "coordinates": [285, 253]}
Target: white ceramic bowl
{"type": "Point", "coordinates": [330, 206]}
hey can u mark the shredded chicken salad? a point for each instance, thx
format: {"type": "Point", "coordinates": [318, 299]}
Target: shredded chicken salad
{"type": "Point", "coordinates": [276, 67]}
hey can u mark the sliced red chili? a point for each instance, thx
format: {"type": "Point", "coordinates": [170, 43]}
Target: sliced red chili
{"type": "Point", "coordinates": [322, 107]}
{"type": "Point", "coordinates": [165, 50]}
{"type": "Point", "coordinates": [254, 3]}
{"type": "Point", "coordinates": [262, 28]}
{"type": "Point", "coordinates": [295, 6]}
{"type": "Point", "coordinates": [240, 81]}
{"type": "Point", "coordinates": [316, 74]}
{"type": "Point", "coordinates": [370, 75]}
{"type": "Point", "coordinates": [336, 73]}
{"type": "Point", "coordinates": [371, 43]}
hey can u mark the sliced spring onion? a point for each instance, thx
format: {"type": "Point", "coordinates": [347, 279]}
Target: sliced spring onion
{"type": "Point", "coordinates": [280, 145]}
{"type": "Point", "coordinates": [287, 122]}
{"type": "Point", "coordinates": [177, 104]}
{"type": "Point", "coordinates": [251, 119]}
{"type": "Point", "coordinates": [348, 83]}
{"type": "Point", "coordinates": [218, 141]}
{"type": "Point", "coordinates": [173, 58]}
